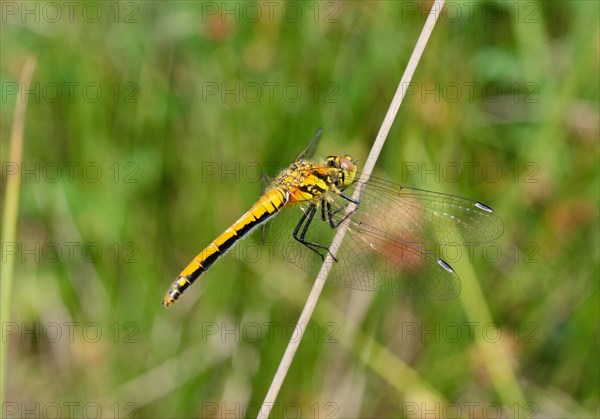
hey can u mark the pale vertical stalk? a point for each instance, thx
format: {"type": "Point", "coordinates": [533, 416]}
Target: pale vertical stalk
{"type": "Point", "coordinates": [311, 302]}
{"type": "Point", "coordinates": [11, 210]}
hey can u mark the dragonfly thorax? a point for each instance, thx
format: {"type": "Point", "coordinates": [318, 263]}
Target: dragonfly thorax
{"type": "Point", "coordinates": [307, 181]}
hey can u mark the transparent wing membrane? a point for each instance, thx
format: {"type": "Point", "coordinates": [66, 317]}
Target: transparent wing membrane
{"type": "Point", "coordinates": [393, 241]}
{"type": "Point", "coordinates": [312, 145]}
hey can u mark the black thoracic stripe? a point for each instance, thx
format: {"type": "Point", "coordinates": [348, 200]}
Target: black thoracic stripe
{"type": "Point", "coordinates": [323, 176]}
{"type": "Point", "coordinates": [311, 188]}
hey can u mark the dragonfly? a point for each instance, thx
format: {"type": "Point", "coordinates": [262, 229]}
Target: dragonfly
{"type": "Point", "coordinates": [394, 238]}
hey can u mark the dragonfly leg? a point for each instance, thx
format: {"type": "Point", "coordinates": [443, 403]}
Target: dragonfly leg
{"type": "Point", "coordinates": [307, 219]}
{"type": "Point", "coordinates": [347, 198]}
{"type": "Point", "coordinates": [331, 214]}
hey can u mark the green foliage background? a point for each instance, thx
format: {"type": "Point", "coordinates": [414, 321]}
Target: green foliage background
{"type": "Point", "coordinates": [509, 89]}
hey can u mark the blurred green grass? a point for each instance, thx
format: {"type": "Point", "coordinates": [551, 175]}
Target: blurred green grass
{"type": "Point", "coordinates": [526, 75]}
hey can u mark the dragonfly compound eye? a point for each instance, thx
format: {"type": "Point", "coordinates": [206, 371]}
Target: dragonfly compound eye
{"type": "Point", "coordinates": [349, 168]}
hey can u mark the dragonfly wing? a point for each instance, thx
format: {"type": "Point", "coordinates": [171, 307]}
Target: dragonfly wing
{"type": "Point", "coordinates": [415, 215]}
{"type": "Point", "coordinates": [373, 262]}
{"type": "Point", "coordinates": [312, 145]}
{"type": "Point", "coordinates": [370, 258]}
{"type": "Point", "coordinates": [394, 241]}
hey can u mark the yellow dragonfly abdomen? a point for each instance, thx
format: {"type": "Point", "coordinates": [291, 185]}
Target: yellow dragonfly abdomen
{"type": "Point", "coordinates": [265, 207]}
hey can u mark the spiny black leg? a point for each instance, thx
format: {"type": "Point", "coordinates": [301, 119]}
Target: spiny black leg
{"type": "Point", "coordinates": [331, 213]}
{"type": "Point", "coordinates": [310, 215]}
{"type": "Point", "coordinates": [310, 209]}
{"type": "Point", "coordinates": [306, 219]}
{"type": "Point", "coordinates": [302, 238]}
{"type": "Point", "coordinates": [347, 198]}
{"type": "Point", "coordinates": [336, 224]}
{"type": "Point", "coordinates": [327, 214]}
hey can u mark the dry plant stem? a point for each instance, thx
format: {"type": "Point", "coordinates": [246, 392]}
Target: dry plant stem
{"type": "Point", "coordinates": [11, 210]}
{"type": "Point", "coordinates": [341, 231]}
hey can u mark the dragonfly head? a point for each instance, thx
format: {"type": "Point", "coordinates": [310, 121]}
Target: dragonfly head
{"type": "Point", "coordinates": [345, 165]}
